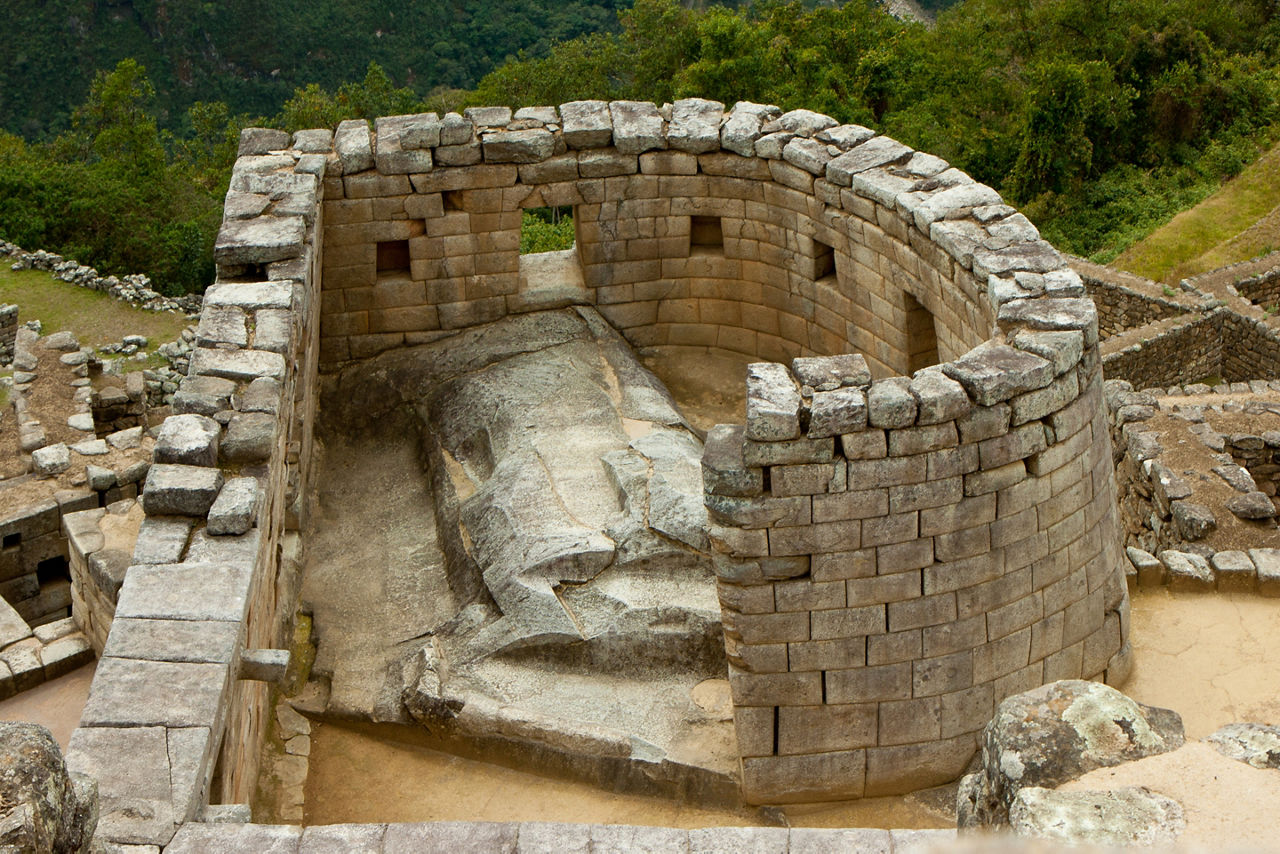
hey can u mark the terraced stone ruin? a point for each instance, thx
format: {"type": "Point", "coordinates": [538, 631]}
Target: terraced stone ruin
{"type": "Point", "coordinates": [505, 529]}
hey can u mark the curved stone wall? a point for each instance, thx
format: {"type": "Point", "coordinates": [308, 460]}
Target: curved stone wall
{"type": "Point", "coordinates": [896, 556]}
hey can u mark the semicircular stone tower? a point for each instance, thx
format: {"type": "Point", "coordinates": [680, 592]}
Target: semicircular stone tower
{"type": "Point", "coordinates": [917, 518]}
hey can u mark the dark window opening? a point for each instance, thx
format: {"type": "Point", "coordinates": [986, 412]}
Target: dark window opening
{"type": "Point", "coordinates": [393, 257]}
{"type": "Point", "coordinates": [706, 234]}
{"type": "Point", "coordinates": [922, 336]}
{"type": "Point", "coordinates": [52, 569]}
{"type": "Point", "coordinates": [12, 540]}
{"type": "Point", "coordinates": [824, 260]}
{"type": "Point", "coordinates": [548, 229]}
{"type": "Point", "coordinates": [452, 200]}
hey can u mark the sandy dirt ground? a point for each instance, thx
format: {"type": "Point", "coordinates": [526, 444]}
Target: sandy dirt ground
{"type": "Point", "coordinates": [55, 704]}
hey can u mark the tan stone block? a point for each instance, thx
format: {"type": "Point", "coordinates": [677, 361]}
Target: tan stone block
{"type": "Point", "coordinates": [964, 543]}
{"type": "Point", "coordinates": [424, 205]}
{"type": "Point", "coordinates": [775, 689]}
{"type": "Point", "coordinates": [746, 599]}
{"type": "Point", "coordinates": [1001, 657]}
{"type": "Point", "coordinates": [408, 319]}
{"type": "Point", "coordinates": [994, 480]}
{"type": "Point", "coordinates": [919, 613]}
{"type": "Point", "coordinates": [352, 255]}
{"type": "Point", "coordinates": [769, 628]}
{"type": "Point", "coordinates": [866, 684]}
{"type": "Point", "coordinates": [361, 276]}
{"type": "Point", "coordinates": [832, 654]}
{"type": "Point", "coordinates": [953, 637]}
{"type": "Point", "coordinates": [349, 323]}
{"type": "Point", "coordinates": [966, 711]}
{"type": "Point", "coordinates": [807, 595]}
{"type": "Point", "coordinates": [461, 314]}
{"type": "Point", "coordinates": [758, 658]}
{"type": "Point", "coordinates": [850, 505]}
{"type": "Point", "coordinates": [389, 207]}
{"type": "Point", "coordinates": [347, 212]}
{"type": "Point", "coordinates": [1016, 615]}
{"type": "Point", "coordinates": [894, 648]}
{"type": "Point", "coordinates": [1101, 645]}
{"type": "Point", "coordinates": [810, 479]}
{"type": "Point", "coordinates": [867, 445]}
{"type": "Point", "coordinates": [911, 767]}
{"type": "Point", "coordinates": [1046, 636]}
{"type": "Point", "coordinates": [959, 516]}
{"type": "Point", "coordinates": [334, 350]}
{"type": "Point", "coordinates": [1027, 551]}
{"type": "Point", "coordinates": [1065, 664]}
{"type": "Point", "coordinates": [882, 589]}
{"type": "Point", "coordinates": [466, 178]}
{"type": "Point", "coordinates": [942, 675]}
{"type": "Point", "coordinates": [923, 496]}
{"type": "Point", "coordinates": [692, 335]}
{"type": "Point", "coordinates": [803, 778]}
{"type": "Point", "coordinates": [894, 528]}
{"type": "Point", "coordinates": [444, 290]}
{"type": "Point", "coordinates": [754, 726]}
{"type": "Point", "coordinates": [847, 622]}
{"type": "Point", "coordinates": [842, 565]}
{"type": "Point", "coordinates": [819, 729]}
{"type": "Point", "coordinates": [1025, 679]}
{"type": "Point", "coordinates": [909, 721]}
{"type": "Point", "coordinates": [331, 302]}
{"type": "Point", "coordinates": [369, 185]}
{"type": "Point", "coordinates": [816, 538]}
{"type": "Point", "coordinates": [1013, 528]}
{"type": "Point", "coordinates": [904, 557]}
{"type": "Point", "coordinates": [986, 597]}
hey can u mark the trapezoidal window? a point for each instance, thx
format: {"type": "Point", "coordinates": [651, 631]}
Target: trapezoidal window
{"type": "Point", "coordinates": [393, 259]}
{"type": "Point", "coordinates": [922, 337]}
{"type": "Point", "coordinates": [706, 235]}
{"type": "Point", "coordinates": [546, 230]}
{"type": "Point", "coordinates": [824, 261]}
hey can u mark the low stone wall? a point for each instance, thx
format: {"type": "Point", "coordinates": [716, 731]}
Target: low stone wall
{"type": "Point", "coordinates": [8, 332]}
{"type": "Point", "coordinates": [1125, 301]}
{"type": "Point", "coordinates": [178, 707]}
{"type": "Point", "coordinates": [1174, 351]}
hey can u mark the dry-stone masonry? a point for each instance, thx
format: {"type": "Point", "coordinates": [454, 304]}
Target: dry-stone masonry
{"type": "Point", "coordinates": [904, 536]}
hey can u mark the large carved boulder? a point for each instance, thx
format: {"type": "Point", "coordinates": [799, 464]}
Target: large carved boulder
{"type": "Point", "coordinates": [1055, 733]}
{"type": "Point", "coordinates": [42, 807]}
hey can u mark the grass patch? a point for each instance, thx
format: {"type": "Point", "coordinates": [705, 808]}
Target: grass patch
{"type": "Point", "coordinates": [1237, 222]}
{"type": "Point", "coordinates": [93, 316]}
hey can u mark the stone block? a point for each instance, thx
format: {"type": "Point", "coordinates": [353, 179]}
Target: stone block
{"type": "Point", "coordinates": [1187, 571]}
{"type": "Point", "coordinates": [188, 591]}
{"type": "Point", "coordinates": [197, 838]}
{"type": "Point", "coordinates": [1267, 562]}
{"type": "Point", "coordinates": [259, 241]}
{"type": "Point", "coordinates": [162, 539]}
{"type": "Point", "coordinates": [250, 438]}
{"type": "Point", "coordinates": [190, 440]}
{"type": "Point", "coordinates": [180, 490]}
{"type": "Point", "coordinates": [51, 460]}
{"type": "Point", "coordinates": [773, 403]}
{"type": "Point", "coordinates": [789, 779]}
{"type": "Point", "coordinates": [1233, 570]}
{"type": "Point", "coordinates": [695, 125]}
{"type": "Point", "coordinates": [235, 510]}
{"type": "Point", "coordinates": [136, 693]}
{"type": "Point", "coordinates": [891, 404]}
{"type": "Point", "coordinates": [828, 728]}
{"type": "Point", "coordinates": [637, 126]}
{"type": "Point", "coordinates": [183, 640]}
{"type": "Point", "coordinates": [264, 665]}
{"type": "Point", "coordinates": [992, 372]}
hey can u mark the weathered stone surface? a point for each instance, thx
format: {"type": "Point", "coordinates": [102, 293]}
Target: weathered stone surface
{"type": "Point", "coordinates": [1055, 733]}
{"type": "Point", "coordinates": [187, 591]}
{"type": "Point", "coordinates": [993, 372]}
{"type": "Point", "coordinates": [314, 141]}
{"type": "Point", "coordinates": [637, 126]}
{"type": "Point", "coordinates": [773, 403]}
{"type": "Point", "coordinates": [264, 665]}
{"type": "Point", "coordinates": [695, 125]}
{"type": "Point", "coordinates": [354, 146]}
{"type": "Point", "coordinates": [824, 373]}
{"type": "Point", "coordinates": [1267, 562]}
{"type": "Point", "coordinates": [938, 398]}
{"type": "Point", "coordinates": [190, 440]}
{"type": "Point", "coordinates": [46, 808]}
{"type": "Point", "coordinates": [807, 154]}
{"type": "Point", "coordinates": [237, 364]}
{"type": "Point", "coordinates": [198, 838]}
{"type": "Point", "coordinates": [172, 640]}
{"type": "Point", "coordinates": [179, 490]}
{"type": "Point", "coordinates": [1252, 505]}
{"type": "Point", "coordinates": [1194, 520]}
{"type": "Point", "coordinates": [518, 146]}
{"type": "Point", "coordinates": [891, 404]}
{"type": "Point", "coordinates": [1120, 817]}
{"type": "Point", "coordinates": [261, 140]}
{"type": "Point", "coordinates": [488, 117]}
{"type": "Point", "coordinates": [586, 124]}
{"type": "Point", "coordinates": [462, 837]}
{"type": "Point", "coordinates": [878, 151]}
{"type": "Point", "coordinates": [260, 240]}
{"type": "Point", "coordinates": [342, 839]}
{"type": "Point", "coordinates": [743, 126]}
{"type": "Point", "coordinates": [234, 511]}
{"type": "Point", "coordinates": [133, 692]}
{"type": "Point", "coordinates": [1255, 744]}
{"type": "Point", "coordinates": [805, 122]}
{"type": "Point", "coordinates": [162, 539]}
{"type": "Point", "coordinates": [250, 437]}
{"type": "Point", "coordinates": [51, 460]}
{"type": "Point", "coordinates": [202, 395]}
{"type": "Point", "coordinates": [832, 413]}
{"type": "Point", "coordinates": [723, 470]}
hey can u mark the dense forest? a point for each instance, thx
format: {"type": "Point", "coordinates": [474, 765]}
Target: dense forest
{"type": "Point", "coordinates": [1101, 118]}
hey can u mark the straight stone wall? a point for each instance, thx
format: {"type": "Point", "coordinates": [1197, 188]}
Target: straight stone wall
{"type": "Point", "coordinates": [1126, 301]}
{"type": "Point", "coordinates": [179, 705]}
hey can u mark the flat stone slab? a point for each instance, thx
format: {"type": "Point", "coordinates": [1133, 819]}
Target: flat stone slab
{"type": "Point", "coordinates": [133, 693]}
{"type": "Point", "coordinates": [162, 539]}
{"type": "Point", "coordinates": [188, 440]}
{"type": "Point", "coordinates": [260, 240]}
{"type": "Point", "coordinates": [180, 490]}
{"type": "Point", "coordinates": [197, 838]}
{"type": "Point", "coordinates": [131, 765]}
{"type": "Point", "coordinates": [207, 641]}
{"type": "Point", "coordinates": [199, 591]}
{"type": "Point", "coordinates": [234, 511]}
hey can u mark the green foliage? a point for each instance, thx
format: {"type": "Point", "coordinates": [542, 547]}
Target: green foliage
{"type": "Point", "coordinates": [543, 231]}
{"type": "Point", "coordinates": [108, 194]}
{"type": "Point", "coordinates": [369, 98]}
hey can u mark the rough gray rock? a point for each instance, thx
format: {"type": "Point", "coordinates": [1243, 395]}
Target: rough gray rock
{"type": "Point", "coordinates": [518, 146]}
{"type": "Point", "coordinates": [354, 146]}
{"type": "Point", "coordinates": [45, 808]}
{"type": "Point", "coordinates": [773, 403]}
{"type": "Point", "coordinates": [1055, 733]}
{"type": "Point", "coordinates": [260, 240]}
{"type": "Point", "coordinates": [586, 124]}
{"type": "Point", "coordinates": [250, 437]}
{"type": "Point", "coordinates": [891, 404]}
{"type": "Point", "coordinates": [994, 372]}
{"type": "Point", "coordinates": [824, 373]}
{"type": "Point", "coordinates": [189, 439]}
{"type": "Point", "coordinates": [1194, 521]}
{"type": "Point", "coordinates": [1252, 505]}
{"type": "Point", "coordinates": [743, 127]}
{"type": "Point", "coordinates": [51, 460]}
{"type": "Point", "coordinates": [637, 126]}
{"type": "Point", "coordinates": [695, 125]}
{"type": "Point", "coordinates": [1255, 744]}
{"type": "Point", "coordinates": [234, 510]}
{"type": "Point", "coordinates": [1120, 817]}
{"type": "Point", "coordinates": [1187, 571]}
{"type": "Point", "coordinates": [176, 490]}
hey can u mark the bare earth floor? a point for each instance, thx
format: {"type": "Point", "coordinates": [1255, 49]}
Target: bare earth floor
{"type": "Point", "coordinates": [55, 704]}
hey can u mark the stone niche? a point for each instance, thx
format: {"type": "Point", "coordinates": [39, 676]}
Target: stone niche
{"type": "Point", "coordinates": [904, 536]}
